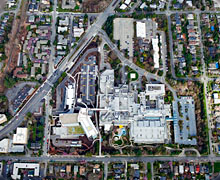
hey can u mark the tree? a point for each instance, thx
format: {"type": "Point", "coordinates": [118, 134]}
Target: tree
{"type": "Point", "coordinates": [29, 114]}
{"type": "Point", "coordinates": [9, 82]}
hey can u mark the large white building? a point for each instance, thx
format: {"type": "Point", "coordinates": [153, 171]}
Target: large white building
{"type": "Point", "coordinates": [4, 145]}
{"type": "Point", "coordinates": [7, 146]}
{"type": "Point", "coordinates": [146, 118]}
{"type": "Point", "coordinates": [155, 90]}
{"type": "Point", "coordinates": [71, 121]}
{"type": "Point", "coordinates": [21, 136]}
{"type": "Point", "coordinates": [70, 96]}
{"type": "Point", "coordinates": [141, 29]}
{"type": "Point", "coordinates": [156, 49]}
{"type": "Point", "coordinates": [31, 166]}
{"type": "Point", "coordinates": [85, 120]}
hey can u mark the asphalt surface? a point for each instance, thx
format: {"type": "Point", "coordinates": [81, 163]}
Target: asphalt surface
{"type": "Point", "coordinates": [111, 159]}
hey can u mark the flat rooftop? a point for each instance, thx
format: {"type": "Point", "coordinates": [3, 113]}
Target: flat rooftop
{"type": "Point", "coordinates": [17, 166]}
{"type": "Point", "coordinates": [68, 119]}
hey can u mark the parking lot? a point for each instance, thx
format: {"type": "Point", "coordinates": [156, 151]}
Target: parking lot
{"type": "Point", "coordinates": [2, 5]}
{"type": "Point", "coordinates": [185, 122]}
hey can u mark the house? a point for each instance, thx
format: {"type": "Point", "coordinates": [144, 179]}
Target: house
{"type": "Point", "coordinates": [31, 19]}
{"type": "Point", "coordinates": [123, 7]}
{"type": "Point", "coordinates": [82, 170]}
{"type": "Point", "coordinates": [35, 146]}
{"type": "Point", "coordinates": [177, 6]}
{"type": "Point", "coordinates": [190, 17]}
{"type": "Point", "coordinates": [216, 98]}
{"type": "Point", "coordinates": [191, 169]}
{"type": "Point", "coordinates": [76, 170]}
{"type": "Point", "coordinates": [127, 2]}
{"type": "Point", "coordinates": [197, 169]}
{"type": "Point", "coordinates": [3, 118]}
{"type": "Point", "coordinates": [181, 169]}
{"type": "Point", "coordinates": [18, 72]}
{"type": "Point", "coordinates": [68, 168]}
{"type": "Point", "coordinates": [143, 5]}
{"type": "Point", "coordinates": [62, 29]}
{"type": "Point", "coordinates": [153, 6]}
{"type": "Point", "coordinates": [189, 3]}
{"type": "Point", "coordinates": [217, 125]}
{"type": "Point", "coordinates": [176, 171]}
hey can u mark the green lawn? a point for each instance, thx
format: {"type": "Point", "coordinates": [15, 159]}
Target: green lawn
{"type": "Point", "coordinates": [149, 175]}
{"type": "Point", "coordinates": [75, 130]}
{"type": "Point", "coordinates": [217, 167]}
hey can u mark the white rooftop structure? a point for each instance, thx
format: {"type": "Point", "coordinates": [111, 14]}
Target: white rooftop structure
{"type": "Point", "coordinates": [87, 124]}
{"type": "Point", "coordinates": [69, 119]}
{"type": "Point", "coordinates": [107, 81]}
{"type": "Point", "coordinates": [123, 6]}
{"type": "Point", "coordinates": [141, 29]}
{"type": "Point", "coordinates": [133, 75]}
{"type": "Point", "coordinates": [62, 29]}
{"type": "Point", "coordinates": [153, 6]}
{"type": "Point", "coordinates": [21, 136]}
{"type": "Point", "coordinates": [64, 22]}
{"type": "Point", "coordinates": [216, 98]}
{"type": "Point", "coordinates": [4, 145]}
{"type": "Point", "coordinates": [127, 2]}
{"type": "Point", "coordinates": [216, 3]}
{"type": "Point", "coordinates": [156, 49]}
{"type": "Point", "coordinates": [7, 146]}
{"type": "Point", "coordinates": [189, 3]}
{"type": "Point", "coordinates": [154, 90]}
{"type": "Point", "coordinates": [70, 95]}
{"type": "Point", "coordinates": [181, 169]}
{"type": "Point", "coordinates": [148, 131]}
{"type": "Point", "coordinates": [143, 5]}
{"type": "Point", "coordinates": [3, 118]}
{"type": "Point", "coordinates": [77, 32]}
{"type": "Point", "coordinates": [190, 16]}
{"type": "Point", "coordinates": [180, 1]}
{"type": "Point", "coordinates": [17, 166]}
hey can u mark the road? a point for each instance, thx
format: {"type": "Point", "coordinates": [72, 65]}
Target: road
{"type": "Point", "coordinates": [47, 129]}
{"type": "Point", "coordinates": [111, 159]}
{"type": "Point", "coordinates": [205, 79]}
{"type": "Point", "coordinates": [171, 47]}
{"type": "Point", "coordinates": [53, 36]}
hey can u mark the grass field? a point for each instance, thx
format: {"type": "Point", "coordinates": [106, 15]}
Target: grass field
{"type": "Point", "coordinates": [75, 130]}
{"type": "Point", "coordinates": [217, 167]}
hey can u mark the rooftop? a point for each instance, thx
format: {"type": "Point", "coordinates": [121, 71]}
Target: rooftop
{"type": "Point", "coordinates": [21, 136]}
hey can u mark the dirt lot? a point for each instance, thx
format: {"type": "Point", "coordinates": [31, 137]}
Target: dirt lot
{"type": "Point", "coordinates": [95, 5]}
{"type": "Point", "coordinates": [2, 5]}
